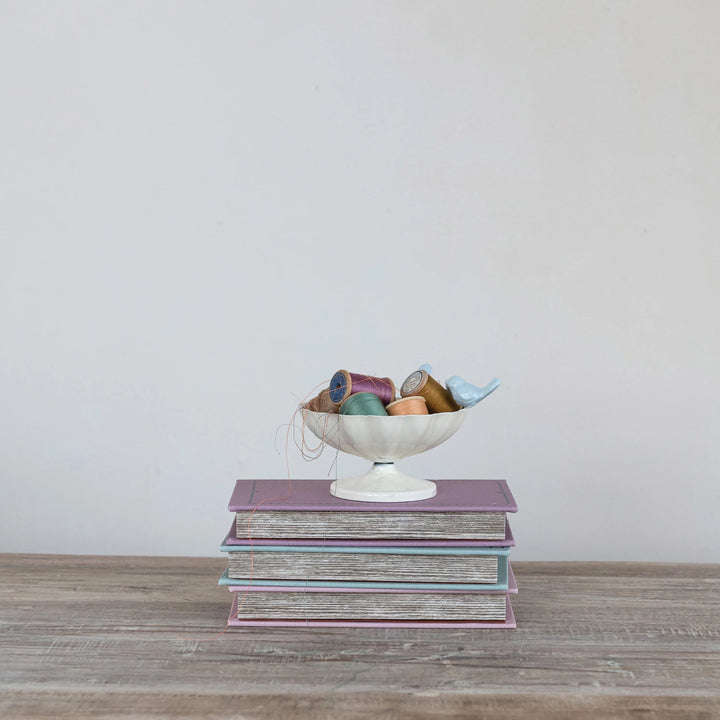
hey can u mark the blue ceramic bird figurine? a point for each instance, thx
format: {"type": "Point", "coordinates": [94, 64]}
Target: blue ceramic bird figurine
{"type": "Point", "coordinates": [467, 395]}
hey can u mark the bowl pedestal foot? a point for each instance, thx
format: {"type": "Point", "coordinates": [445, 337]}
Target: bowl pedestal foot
{"type": "Point", "coordinates": [383, 483]}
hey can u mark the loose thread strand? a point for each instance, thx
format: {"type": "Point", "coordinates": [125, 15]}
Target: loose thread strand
{"type": "Point", "coordinates": [308, 453]}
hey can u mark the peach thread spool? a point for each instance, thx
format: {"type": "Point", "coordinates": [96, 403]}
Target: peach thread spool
{"type": "Point", "coordinates": [410, 405]}
{"type": "Point", "coordinates": [437, 397]}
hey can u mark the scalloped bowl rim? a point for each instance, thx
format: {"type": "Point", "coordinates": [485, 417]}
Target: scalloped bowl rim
{"type": "Point", "coordinates": [402, 431]}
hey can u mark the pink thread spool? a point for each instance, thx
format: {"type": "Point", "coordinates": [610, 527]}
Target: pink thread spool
{"type": "Point", "coordinates": [344, 383]}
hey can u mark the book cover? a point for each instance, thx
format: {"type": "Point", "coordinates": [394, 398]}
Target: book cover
{"type": "Point", "coordinates": [314, 495]}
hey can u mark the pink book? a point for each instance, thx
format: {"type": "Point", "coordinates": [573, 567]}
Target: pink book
{"type": "Point", "coordinates": [509, 622]}
{"type": "Point", "coordinates": [297, 602]}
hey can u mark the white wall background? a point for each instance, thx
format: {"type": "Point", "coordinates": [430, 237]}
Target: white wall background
{"type": "Point", "coordinates": [209, 207]}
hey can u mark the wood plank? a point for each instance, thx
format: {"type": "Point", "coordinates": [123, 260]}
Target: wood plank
{"type": "Point", "coordinates": [132, 637]}
{"type": "Point", "coordinates": [353, 706]}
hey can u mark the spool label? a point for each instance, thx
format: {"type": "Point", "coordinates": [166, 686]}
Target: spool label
{"type": "Point", "coordinates": [412, 382]}
{"type": "Point", "coordinates": [338, 387]}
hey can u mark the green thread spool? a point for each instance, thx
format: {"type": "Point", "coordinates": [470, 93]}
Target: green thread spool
{"type": "Point", "coordinates": [363, 403]}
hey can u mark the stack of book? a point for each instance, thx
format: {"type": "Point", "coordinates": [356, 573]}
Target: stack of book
{"type": "Point", "coordinates": [299, 556]}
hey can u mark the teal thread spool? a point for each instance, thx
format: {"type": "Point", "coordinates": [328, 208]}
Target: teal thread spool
{"type": "Point", "coordinates": [363, 403]}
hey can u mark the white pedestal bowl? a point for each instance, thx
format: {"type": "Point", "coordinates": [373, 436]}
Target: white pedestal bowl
{"type": "Point", "coordinates": [383, 440]}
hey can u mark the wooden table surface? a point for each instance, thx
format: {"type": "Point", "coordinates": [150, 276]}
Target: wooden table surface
{"type": "Point", "coordinates": [133, 637]}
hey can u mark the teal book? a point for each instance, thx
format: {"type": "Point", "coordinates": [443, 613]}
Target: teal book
{"type": "Point", "coordinates": [388, 563]}
{"type": "Point", "coordinates": [418, 581]}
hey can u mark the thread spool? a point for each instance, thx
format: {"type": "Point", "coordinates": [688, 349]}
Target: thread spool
{"type": "Point", "coordinates": [322, 403]}
{"type": "Point", "coordinates": [410, 405]}
{"type": "Point", "coordinates": [437, 397]}
{"type": "Point", "coordinates": [344, 383]}
{"type": "Point", "coordinates": [363, 403]}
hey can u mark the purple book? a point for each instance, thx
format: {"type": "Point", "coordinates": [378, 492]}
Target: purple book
{"type": "Point", "coordinates": [314, 495]}
{"type": "Point", "coordinates": [461, 510]}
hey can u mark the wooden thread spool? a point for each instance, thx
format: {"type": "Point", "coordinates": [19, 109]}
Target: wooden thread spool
{"type": "Point", "coordinates": [364, 403]}
{"type": "Point", "coordinates": [410, 405]}
{"type": "Point", "coordinates": [322, 403]}
{"type": "Point", "coordinates": [437, 397]}
{"type": "Point", "coordinates": [344, 383]}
